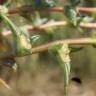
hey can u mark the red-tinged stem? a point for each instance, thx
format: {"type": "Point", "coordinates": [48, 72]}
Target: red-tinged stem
{"type": "Point", "coordinates": [44, 47]}
{"type": "Point", "coordinates": [87, 9]}
{"type": "Point", "coordinates": [52, 24]}
{"type": "Point", "coordinates": [5, 84]}
{"type": "Point", "coordinates": [53, 9]}
{"type": "Point", "coordinates": [78, 41]}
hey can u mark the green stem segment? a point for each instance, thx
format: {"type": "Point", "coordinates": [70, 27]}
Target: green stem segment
{"type": "Point", "coordinates": [64, 60]}
{"type": "Point", "coordinates": [61, 51]}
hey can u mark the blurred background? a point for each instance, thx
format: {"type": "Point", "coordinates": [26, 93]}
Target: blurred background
{"type": "Point", "coordinates": [39, 74]}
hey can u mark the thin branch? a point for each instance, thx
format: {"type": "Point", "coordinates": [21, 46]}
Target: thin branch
{"type": "Point", "coordinates": [5, 84]}
{"type": "Point", "coordinates": [79, 41]}
{"type": "Point", "coordinates": [51, 24]}
{"type": "Point", "coordinates": [86, 9]}
{"type": "Point", "coordinates": [45, 47]}
{"type": "Point", "coordinates": [29, 9]}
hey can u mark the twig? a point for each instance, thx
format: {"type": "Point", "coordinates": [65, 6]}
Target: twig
{"type": "Point", "coordinates": [5, 84]}
{"type": "Point", "coordinates": [86, 9]}
{"type": "Point", "coordinates": [79, 41]}
{"type": "Point", "coordinates": [45, 47]}
{"type": "Point", "coordinates": [51, 24]}
{"type": "Point", "coordinates": [29, 9]}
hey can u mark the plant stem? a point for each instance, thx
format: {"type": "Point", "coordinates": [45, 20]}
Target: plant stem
{"type": "Point", "coordinates": [51, 24]}
{"type": "Point", "coordinates": [29, 9]}
{"type": "Point", "coordinates": [78, 41]}
{"type": "Point", "coordinates": [5, 84]}
{"type": "Point", "coordinates": [44, 47]}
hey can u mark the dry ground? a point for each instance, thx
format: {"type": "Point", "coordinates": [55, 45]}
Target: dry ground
{"type": "Point", "coordinates": [46, 82]}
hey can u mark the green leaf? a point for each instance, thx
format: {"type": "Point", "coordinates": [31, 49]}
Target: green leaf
{"type": "Point", "coordinates": [9, 62]}
{"type": "Point", "coordinates": [34, 39]}
{"type": "Point", "coordinates": [75, 3]}
{"type": "Point", "coordinates": [15, 67]}
{"type": "Point", "coordinates": [7, 3]}
{"type": "Point", "coordinates": [49, 3]}
{"type": "Point", "coordinates": [70, 14]}
{"type": "Point", "coordinates": [39, 4]}
{"type": "Point", "coordinates": [75, 49]}
{"type": "Point", "coordinates": [87, 19]}
{"type": "Point", "coordinates": [37, 20]}
{"type": "Point", "coordinates": [43, 3]}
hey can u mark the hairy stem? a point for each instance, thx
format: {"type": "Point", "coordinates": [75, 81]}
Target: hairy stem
{"type": "Point", "coordinates": [44, 47]}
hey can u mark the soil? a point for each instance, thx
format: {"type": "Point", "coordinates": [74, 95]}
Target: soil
{"type": "Point", "coordinates": [46, 82]}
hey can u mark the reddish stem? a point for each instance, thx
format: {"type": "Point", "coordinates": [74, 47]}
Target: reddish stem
{"type": "Point", "coordinates": [45, 47]}
{"type": "Point", "coordinates": [51, 24]}
{"type": "Point", "coordinates": [53, 9]}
